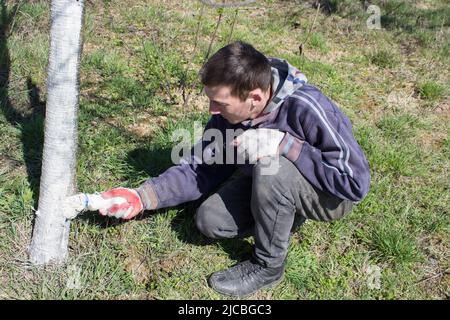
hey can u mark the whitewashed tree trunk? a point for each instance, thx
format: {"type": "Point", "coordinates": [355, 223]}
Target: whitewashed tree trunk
{"type": "Point", "coordinates": [51, 230]}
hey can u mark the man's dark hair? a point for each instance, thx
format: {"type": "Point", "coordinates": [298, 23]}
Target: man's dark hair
{"type": "Point", "coordinates": [239, 66]}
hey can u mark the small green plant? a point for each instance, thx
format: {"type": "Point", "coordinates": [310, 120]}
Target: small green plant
{"type": "Point", "coordinates": [392, 243]}
{"type": "Point", "coordinates": [431, 91]}
{"type": "Point", "coordinates": [399, 127]}
{"type": "Point", "coordinates": [318, 41]}
{"type": "Point", "coordinates": [107, 64]}
{"type": "Point", "coordinates": [383, 58]}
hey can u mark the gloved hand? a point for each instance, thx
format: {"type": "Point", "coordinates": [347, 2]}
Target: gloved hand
{"type": "Point", "coordinates": [125, 203]}
{"type": "Point", "coordinates": [258, 143]}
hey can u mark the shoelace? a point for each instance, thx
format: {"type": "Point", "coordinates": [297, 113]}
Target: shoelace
{"type": "Point", "coordinates": [247, 275]}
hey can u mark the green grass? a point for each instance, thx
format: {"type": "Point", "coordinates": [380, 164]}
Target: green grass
{"type": "Point", "coordinates": [431, 90]}
{"type": "Point", "coordinates": [383, 58]}
{"type": "Point", "coordinates": [392, 243]}
{"type": "Point", "coordinates": [132, 71]}
{"type": "Point", "coordinates": [318, 41]}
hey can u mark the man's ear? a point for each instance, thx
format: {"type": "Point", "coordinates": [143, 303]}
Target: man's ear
{"type": "Point", "coordinates": [256, 95]}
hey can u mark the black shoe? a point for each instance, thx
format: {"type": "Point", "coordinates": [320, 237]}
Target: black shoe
{"type": "Point", "coordinates": [245, 278]}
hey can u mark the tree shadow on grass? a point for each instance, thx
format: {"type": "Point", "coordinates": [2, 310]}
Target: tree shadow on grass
{"type": "Point", "coordinates": [184, 225]}
{"type": "Point", "coordinates": [404, 16]}
{"type": "Point", "coordinates": [28, 119]}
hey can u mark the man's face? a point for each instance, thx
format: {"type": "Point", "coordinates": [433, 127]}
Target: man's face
{"type": "Point", "coordinates": [230, 107]}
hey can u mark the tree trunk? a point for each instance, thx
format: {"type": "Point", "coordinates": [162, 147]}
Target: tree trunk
{"type": "Point", "coordinates": [51, 230]}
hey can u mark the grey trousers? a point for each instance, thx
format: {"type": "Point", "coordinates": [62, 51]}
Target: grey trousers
{"type": "Point", "coordinates": [266, 206]}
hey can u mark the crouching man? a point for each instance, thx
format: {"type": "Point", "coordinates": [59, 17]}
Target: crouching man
{"type": "Point", "coordinates": [302, 162]}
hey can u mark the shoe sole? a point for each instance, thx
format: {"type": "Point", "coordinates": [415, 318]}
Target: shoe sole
{"type": "Point", "coordinates": [267, 286]}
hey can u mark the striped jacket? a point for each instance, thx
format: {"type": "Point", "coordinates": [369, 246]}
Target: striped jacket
{"type": "Point", "coordinates": [318, 140]}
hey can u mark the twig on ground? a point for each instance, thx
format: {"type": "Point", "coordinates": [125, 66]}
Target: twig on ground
{"type": "Point", "coordinates": [301, 47]}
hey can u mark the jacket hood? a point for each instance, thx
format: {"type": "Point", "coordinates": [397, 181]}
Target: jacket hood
{"type": "Point", "coordinates": [285, 80]}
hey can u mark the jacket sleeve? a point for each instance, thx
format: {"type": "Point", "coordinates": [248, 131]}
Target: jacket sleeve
{"type": "Point", "coordinates": [323, 148]}
{"type": "Point", "coordinates": [186, 181]}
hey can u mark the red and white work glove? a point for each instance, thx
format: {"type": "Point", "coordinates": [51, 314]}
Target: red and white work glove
{"type": "Point", "coordinates": [118, 202]}
{"type": "Point", "coordinates": [123, 203]}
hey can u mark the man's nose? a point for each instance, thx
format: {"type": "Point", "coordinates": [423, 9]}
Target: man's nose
{"type": "Point", "coordinates": [214, 109]}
